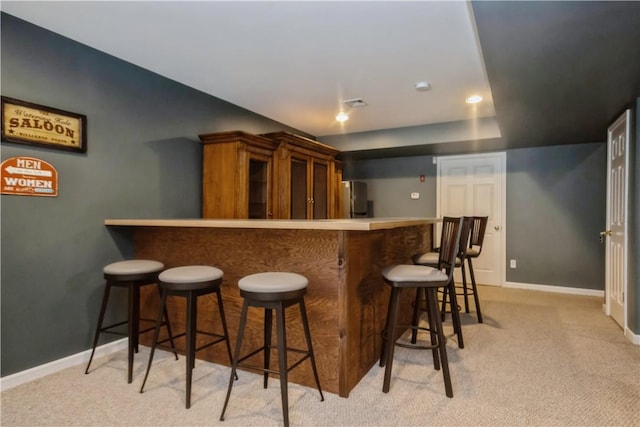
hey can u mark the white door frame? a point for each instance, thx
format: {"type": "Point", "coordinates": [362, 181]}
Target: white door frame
{"type": "Point", "coordinates": [503, 205]}
{"type": "Point", "coordinates": [623, 120]}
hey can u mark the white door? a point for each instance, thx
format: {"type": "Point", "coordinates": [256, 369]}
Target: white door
{"type": "Point", "coordinates": [616, 232]}
{"type": "Point", "coordinates": [475, 185]}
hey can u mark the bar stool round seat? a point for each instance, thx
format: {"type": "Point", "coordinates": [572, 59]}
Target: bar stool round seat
{"type": "Point", "coordinates": [124, 270]}
{"type": "Point", "coordinates": [272, 282]}
{"type": "Point", "coordinates": [190, 282]}
{"type": "Point", "coordinates": [130, 274]}
{"type": "Point", "coordinates": [273, 291]}
{"type": "Point", "coordinates": [192, 277]}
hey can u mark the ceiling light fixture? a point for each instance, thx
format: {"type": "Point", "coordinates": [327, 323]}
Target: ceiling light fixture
{"type": "Point", "coordinates": [355, 102]}
{"type": "Point", "coordinates": [473, 99]}
{"type": "Point", "coordinates": [423, 86]}
{"type": "Point", "coordinates": [342, 117]}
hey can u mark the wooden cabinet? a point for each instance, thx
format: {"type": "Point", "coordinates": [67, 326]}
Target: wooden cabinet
{"type": "Point", "coordinates": [306, 178]}
{"type": "Point", "coordinates": [237, 175]}
{"type": "Point", "coordinates": [275, 175]}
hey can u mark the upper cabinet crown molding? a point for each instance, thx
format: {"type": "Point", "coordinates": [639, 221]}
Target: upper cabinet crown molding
{"type": "Point", "coordinates": [314, 147]}
{"type": "Point", "coordinates": [239, 136]}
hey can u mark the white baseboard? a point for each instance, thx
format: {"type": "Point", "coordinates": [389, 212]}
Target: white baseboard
{"type": "Point", "coordinates": [635, 339]}
{"type": "Point", "coordinates": [28, 375]}
{"type": "Point", "coordinates": [556, 289]}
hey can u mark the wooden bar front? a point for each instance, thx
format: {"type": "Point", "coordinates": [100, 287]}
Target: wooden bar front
{"type": "Point", "coordinates": [346, 299]}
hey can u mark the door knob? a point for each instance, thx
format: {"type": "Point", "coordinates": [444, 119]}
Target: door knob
{"type": "Point", "coordinates": [497, 228]}
{"type": "Point", "coordinates": [604, 234]}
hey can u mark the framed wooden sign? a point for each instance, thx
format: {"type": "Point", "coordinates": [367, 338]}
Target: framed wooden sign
{"type": "Point", "coordinates": [33, 124]}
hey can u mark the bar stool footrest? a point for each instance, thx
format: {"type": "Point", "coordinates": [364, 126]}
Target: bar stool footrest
{"type": "Point", "coordinates": [306, 355]}
{"type": "Point", "coordinates": [414, 346]}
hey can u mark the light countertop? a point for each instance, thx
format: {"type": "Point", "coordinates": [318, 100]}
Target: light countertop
{"type": "Point", "coordinates": [359, 224]}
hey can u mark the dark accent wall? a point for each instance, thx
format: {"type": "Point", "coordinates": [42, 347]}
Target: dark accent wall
{"type": "Point", "coordinates": [390, 183]}
{"type": "Point", "coordinates": [143, 161]}
{"type": "Point", "coordinates": [556, 208]}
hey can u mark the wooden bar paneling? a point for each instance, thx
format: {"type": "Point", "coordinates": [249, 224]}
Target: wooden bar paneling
{"type": "Point", "coordinates": [346, 299]}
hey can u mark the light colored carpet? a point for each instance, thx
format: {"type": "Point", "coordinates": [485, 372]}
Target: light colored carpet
{"type": "Point", "coordinates": [539, 359]}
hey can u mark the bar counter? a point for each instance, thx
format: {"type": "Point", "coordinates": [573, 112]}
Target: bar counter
{"type": "Point", "coordinates": [346, 298]}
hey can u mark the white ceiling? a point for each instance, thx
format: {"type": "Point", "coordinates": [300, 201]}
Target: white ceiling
{"type": "Point", "coordinates": [295, 62]}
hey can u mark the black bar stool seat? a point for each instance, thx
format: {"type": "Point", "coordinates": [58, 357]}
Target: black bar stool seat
{"type": "Point", "coordinates": [273, 291]}
{"type": "Point", "coordinates": [130, 274]}
{"type": "Point", "coordinates": [190, 282]}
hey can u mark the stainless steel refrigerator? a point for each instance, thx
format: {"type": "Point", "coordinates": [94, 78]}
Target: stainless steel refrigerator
{"type": "Point", "coordinates": [354, 200]}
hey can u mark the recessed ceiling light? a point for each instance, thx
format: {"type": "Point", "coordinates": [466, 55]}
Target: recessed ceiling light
{"type": "Point", "coordinates": [423, 86]}
{"type": "Point", "coordinates": [473, 99]}
{"type": "Point", "coordinates": [342, 117]}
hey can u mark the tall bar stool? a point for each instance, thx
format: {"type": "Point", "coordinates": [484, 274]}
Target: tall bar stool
{"type": "Point", "coordinates": [432, 259]}
{"type": "Point", "coordinates": [273, 291]}
{"type": "Point", "coordinates": [190, 282]}
{"type": "Point", "coordinates": [478, 228]}
{"type": "Point", "coordinates": [133, 275]}
{"type": "Point", "coordinates": [427, 280]}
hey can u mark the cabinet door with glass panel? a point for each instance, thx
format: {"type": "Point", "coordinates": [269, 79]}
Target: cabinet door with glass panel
{"type": "Point", "coordinates": [306, 177]}
{"type": "Point", "coordinates": [309, 188]}
{"type": "Point", "coordinates": [259, 187]}
{"type": "Point", "coordinates": [237, 176]}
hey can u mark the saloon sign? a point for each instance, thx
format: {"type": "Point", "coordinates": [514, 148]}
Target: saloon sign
{"type": "Point", "coordinates": [27, 176]}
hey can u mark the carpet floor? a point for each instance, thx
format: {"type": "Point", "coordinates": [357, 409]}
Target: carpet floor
{"type": "Point", "coordinates": [539, 359]}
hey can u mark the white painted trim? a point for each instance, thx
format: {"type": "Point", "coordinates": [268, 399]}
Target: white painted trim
{"type": "Point", "coordinates": [32, 374]}
{"type": "Point", "coordinates": [556, 289]}
{"type": "Point", "coordinates": [626, 119]}
{"type": "Point", "coordinates": [635, 339]}
{"type": "Point", "coordinates": [502, 156]}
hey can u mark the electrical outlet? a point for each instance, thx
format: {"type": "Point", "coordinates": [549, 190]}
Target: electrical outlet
{"type": "Point", "coordinates": [512, 263]}
{"type": "Point", "coordinates": [415, 196]}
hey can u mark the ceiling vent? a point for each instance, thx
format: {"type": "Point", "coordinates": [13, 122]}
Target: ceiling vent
{"type": "Point", "coordinates": [356, 102]}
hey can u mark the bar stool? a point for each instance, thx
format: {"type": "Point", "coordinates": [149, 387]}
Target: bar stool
{"type": "Point", "coordinates": [432, 259]}
{"type": "Point", "coordinates": [474, 250]}
{"type": "Point", "coordinates": [427, 280]}
{"type": "Point", "coordinates": [190, 282]}
{"type": "Point", "coordinates": [273, 291]}
{"type": "Point", "coordinates": [131, 274]}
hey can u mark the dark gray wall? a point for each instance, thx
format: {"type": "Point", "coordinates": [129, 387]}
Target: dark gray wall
{"type": "Point", "coordinates": [143, 160]}
{"type": "Point", "coordinates": [555, 207]}
{"type": "Point", "coordinates": [390, 183]}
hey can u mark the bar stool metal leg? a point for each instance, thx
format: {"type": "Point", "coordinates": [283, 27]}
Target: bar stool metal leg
{"type": "Point", "coordinates": [268, 325]}
{"type": "Point", "coordinates": [156, 335]}
{"type": "Point", "coordinates": [389, 343]}
{"type": "Point", "coordinates": [236, 355]}
{"type": "Point", "coordinates": [433, 306]}
{"type": "Point", "coordinates": [282, 362]}
{"type": "Point", "coordinates": [475, 291]}
{"type": "Point", "coordinates": [307, 333]}
{"type": "Point", "coordinates": [103, 309]}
